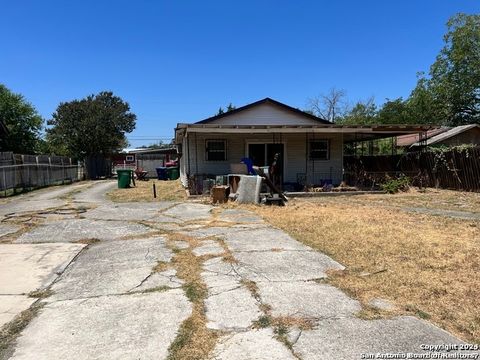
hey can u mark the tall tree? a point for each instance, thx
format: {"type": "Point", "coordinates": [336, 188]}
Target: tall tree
{"type": "Point", "coordinates": [362, 113]}
{"type": "Point", "coordinates": [21, 121]}
{"type": "Point", "coordinates": [330, 106]}
{"type": "Point", "coordinates": [454, 82]}
{"type": "Point", "coordinates": [394, 112]}
{"type": "Point", "coordinates": [95, 125]}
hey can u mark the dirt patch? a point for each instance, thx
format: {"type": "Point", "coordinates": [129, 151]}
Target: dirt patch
{"type": "Point", "coordinates": [426, 265]}
{"type": "Point", "coordinates": [143, 191]}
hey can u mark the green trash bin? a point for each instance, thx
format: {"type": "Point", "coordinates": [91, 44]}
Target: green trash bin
{"type": "Point", "coordinates": [172, 173]}
{"type": "Point", "coordinates": [124, 178]}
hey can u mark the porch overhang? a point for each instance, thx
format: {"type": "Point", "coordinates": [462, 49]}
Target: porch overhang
{"type": "Point", "coordinates": [350, 133]}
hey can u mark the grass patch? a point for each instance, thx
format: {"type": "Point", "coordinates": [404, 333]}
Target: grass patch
{"type": "Point", "coordinates": [415, 261]}
{"type": "Point", "coordinates": [161, 266]}
{"type": "Point", "coordinates": [40, 294]}
{"type": "Point", "coordinates": [143, 191]}
{"type": "Point", "coordinates": [194, 340]}
{"type": "Point", "coordinates": [88, 241]}
{"type": "Point", "coordinates": [10, 331]}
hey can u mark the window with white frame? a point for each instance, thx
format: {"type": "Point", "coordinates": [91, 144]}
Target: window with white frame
{"type": "Point", "coordinates": [319, 149]}
{"type": "Point", "coordinates": [129, 158]}
{"type": "Point", "coordinates": [216, 150]}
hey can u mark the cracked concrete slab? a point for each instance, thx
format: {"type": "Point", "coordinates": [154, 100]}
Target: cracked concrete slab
{"type": "Point", "coordinates": [28, 267]}
{"type": "Point", "coordinates": [284, 265]}
{"type": "Point", "coordinates": [221, 230]}
{"type": "Point", "coordinates": [131, 212]}
{"type": "Point", "coordinates": [348, 338]}
{"type": "Point", "coordinates": [253, 344]}
{"type": "Point", "coordinates": [96, 193]}
{"type": "Point", "coordinates": [311, 300]}
{"type": "Point", "coordinates": [190, 211]}
{"type": "Point", "coordinates": [6, 229]}
{"type": "Point", "coordinates": [239, 216]}
{"type": "Point", "coordinates": [231, 309]}
{"type": "Point", "coordinates": [70, 230]}
{"type": "Point", "coordinates": [12, 305]}
{"type": "Point", "coordinates": [262, 240]}
{"type": "Point", "coordinates": [113, 267]}
{"type": "Point", "coordinates": [219, 276]}
{"type": "Point", "coordinates": [208, 247]}
{"type": "Point", "coordinates": [20, 207]}
{"type": "Point", "coordinates": [229, 305]}
{"type": "Point", "coordinates": [139, 326]}
{"type": "Point", "coordinates": [157, 280]}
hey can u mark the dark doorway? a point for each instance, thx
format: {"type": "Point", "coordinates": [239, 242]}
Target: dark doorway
{"type": "Point", "coordinates": [263, 154]}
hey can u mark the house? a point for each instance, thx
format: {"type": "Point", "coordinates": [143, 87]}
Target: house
{"type": "Point", "coordinates": [147, 159]}
{"type": "Point", "coordinates": [444, 136]}
{"type": "Point", "coordinates": [310, 149]}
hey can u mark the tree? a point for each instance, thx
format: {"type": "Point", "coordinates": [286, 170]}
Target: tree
{"type": "Point", "coordinates": [453, 87]}
{"type": "Point", "coordinates": [421, 103]}
{"type": "Point", "coordinates": [362, 113]}
{"type": "Point", "coordinates": [394, 112]}
{"type": "Point", "coordinates": [93, 126]}
{"type": "Point", "coordinates": [230, 107]}
{"type": "Point", "coordinates": [22, 122]}
{"type": "Point", "coordinates": [330, 106]}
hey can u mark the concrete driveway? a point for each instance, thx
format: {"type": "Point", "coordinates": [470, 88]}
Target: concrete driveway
{"type": "Point", "coordinates": [103, 276]}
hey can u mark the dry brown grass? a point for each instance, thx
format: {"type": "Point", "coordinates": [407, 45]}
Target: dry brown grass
{"type": "Point", "coordinates": [429, 198]}
{"type": "Point", "coordinates": [194, 340]}
{"type": "Point", "coordinates": [431, 263]}
{"type": "Point", "coordinates": [143, 191]}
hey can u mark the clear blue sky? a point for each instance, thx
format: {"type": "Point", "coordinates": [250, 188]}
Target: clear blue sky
{"type": "Point", "coordinates": [178, 61]}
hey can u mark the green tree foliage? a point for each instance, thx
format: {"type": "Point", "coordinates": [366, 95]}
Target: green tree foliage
{"type": "Point", "coordinates": [394, 112]}
{"type": "Point", "coordinates": [95, 125]}
{"type": "Point", "coordinates": [362, 113]}
{"type": "Point", "coordinates": [454, 81]}
{"type": "Point", "coordinates": [22, 122]}
{"type": "Point", "coordinates": [229, 108]}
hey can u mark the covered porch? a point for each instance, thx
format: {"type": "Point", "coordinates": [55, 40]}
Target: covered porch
{"type": "Point", "coordinates": [308, 154]}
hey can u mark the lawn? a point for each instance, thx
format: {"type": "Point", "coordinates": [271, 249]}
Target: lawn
{"type": "Point", "coordinates": [143, 191]}
{"type": "Point", "coordinates": [427, 266]}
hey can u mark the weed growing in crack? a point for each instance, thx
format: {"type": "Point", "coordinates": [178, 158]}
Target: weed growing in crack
{"type": "Point", "coordinates": [40, 294]}
{"type": "Point", "coordinates": [194, 340]}
{"type": "Point", "coordinates": [10, 331]}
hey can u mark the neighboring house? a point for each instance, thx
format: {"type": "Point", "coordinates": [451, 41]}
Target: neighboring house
{"type": "Point", "coordinates": [444, 136]}
{"type": "Point", "coordinates": [144, 158]}
{"type": "Point", "coordinates": [310, 148]}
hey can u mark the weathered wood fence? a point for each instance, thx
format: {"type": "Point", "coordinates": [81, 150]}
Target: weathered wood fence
{"type": "Point", "coordinates": [457, 168]}
{"type": "Point", "coordinates": [23, 172]}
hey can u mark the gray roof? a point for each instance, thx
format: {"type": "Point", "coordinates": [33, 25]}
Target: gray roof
{"type": "Point", "coordinates": [448, 134]}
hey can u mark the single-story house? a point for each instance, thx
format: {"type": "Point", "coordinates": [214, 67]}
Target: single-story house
{"type": "Point", "coordinates": [147, 159]}
{"type": "Point", "coordinates": [443, 136]}
{"type": "Point", "coordinates": [310, 148]}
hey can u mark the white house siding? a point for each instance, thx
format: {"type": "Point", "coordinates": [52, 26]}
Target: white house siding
{"type": "Point", "coordinates": [265, 114]}
{"type": "Point", "coordinates": [296, 162]}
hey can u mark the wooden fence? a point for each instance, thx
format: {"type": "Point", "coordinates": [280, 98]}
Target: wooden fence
{"type": "Point", "coordinates": [457, 168]}
{"type": "Point", "coordinates": [24, 172]}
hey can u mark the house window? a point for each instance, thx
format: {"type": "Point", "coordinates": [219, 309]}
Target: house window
{"type": "Point", "coordinates": [129, 158]}
{"type": "Point", "coordinates": [319, 150]}
{"type": "Point", "coordinates": [216, 150]}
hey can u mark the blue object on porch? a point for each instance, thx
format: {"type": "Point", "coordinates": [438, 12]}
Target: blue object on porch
{"type": "Point", "coordinates": [249, 164]}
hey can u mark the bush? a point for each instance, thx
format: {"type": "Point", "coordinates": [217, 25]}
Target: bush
{"type": "Point", "coordinates": [393, 186]}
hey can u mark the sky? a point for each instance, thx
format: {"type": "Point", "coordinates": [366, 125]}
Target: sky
{"type": "Point", "coordinates": [179, 61]}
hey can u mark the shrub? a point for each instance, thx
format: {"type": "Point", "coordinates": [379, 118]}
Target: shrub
{"type": "Point", "coordinates": [393, 186]}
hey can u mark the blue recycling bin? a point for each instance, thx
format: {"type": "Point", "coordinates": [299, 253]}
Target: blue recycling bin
{"type": "Point", "coordinates": [162, 173]}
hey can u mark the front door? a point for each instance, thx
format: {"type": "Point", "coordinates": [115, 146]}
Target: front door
{"type": "Point", "coordinates": [263, 155]}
